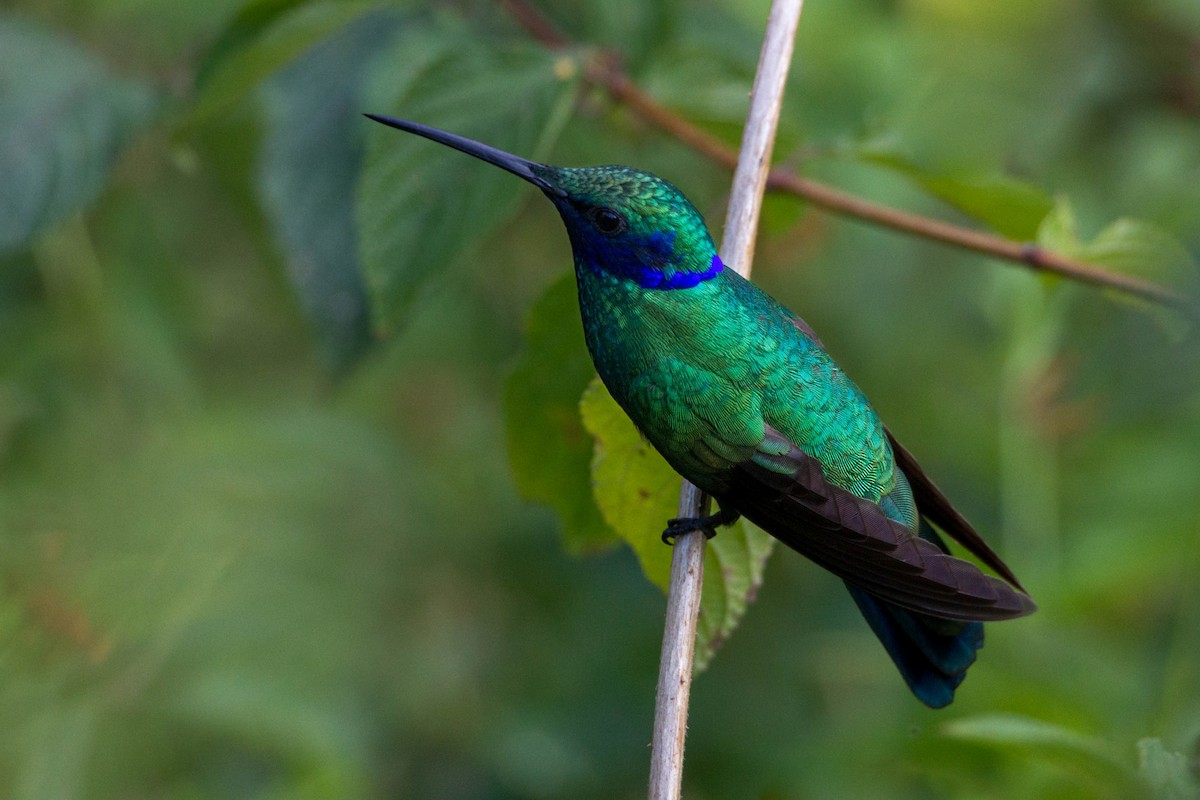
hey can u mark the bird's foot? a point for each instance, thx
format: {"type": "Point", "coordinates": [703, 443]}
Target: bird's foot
{"type": "Point", "coordinates": [681, 525]}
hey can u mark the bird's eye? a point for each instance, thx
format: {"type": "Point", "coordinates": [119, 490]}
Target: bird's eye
{"type": "Point", "coordinates": [606, 220]}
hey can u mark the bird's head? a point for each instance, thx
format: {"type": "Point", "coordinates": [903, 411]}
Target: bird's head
{"type": "Point", "coordinates": [628, 223]}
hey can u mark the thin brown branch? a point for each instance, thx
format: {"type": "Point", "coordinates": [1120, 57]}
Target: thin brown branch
{"type": "Point", "coordinates": [604, 72]}
{"type": "Point", "coordinates": [536, 24]}
{"type": "Point", "coordinates": [1032, 256]}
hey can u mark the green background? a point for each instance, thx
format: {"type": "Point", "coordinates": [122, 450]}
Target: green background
{"type": "Point", "coordinates": [260, 528]}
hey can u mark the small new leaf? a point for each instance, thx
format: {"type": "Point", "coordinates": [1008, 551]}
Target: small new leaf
{"type": "Point", "coordinates": [1166, 772]}
{"type": "Point", "coordinates": [1128, 246]}
{"type": "Point", "coordinates": [1140, 248]}
{"type": "Point", "coordinates": [1058, 231]}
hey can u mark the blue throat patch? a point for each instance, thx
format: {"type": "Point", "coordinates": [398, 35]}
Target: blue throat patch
{"type": "Point", "coordinates": [652, 279]}
{"type": "Point", "coordinates": [630, 262]}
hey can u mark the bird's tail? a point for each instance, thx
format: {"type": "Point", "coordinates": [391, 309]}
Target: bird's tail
{"type": "Point", "coordinates": [932, 654]}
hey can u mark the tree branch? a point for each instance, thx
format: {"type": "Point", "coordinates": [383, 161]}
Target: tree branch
{"type": "Point", "coordinates": [737, 250]}
{"type": "Point", "coordinates": [604, 72]}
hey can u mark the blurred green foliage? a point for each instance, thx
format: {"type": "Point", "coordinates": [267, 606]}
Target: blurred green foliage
{"type": "Point", "coordinates": [250, 549]}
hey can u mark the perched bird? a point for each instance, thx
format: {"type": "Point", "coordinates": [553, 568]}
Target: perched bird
{"type": "Point", "coordinates": [740, 397]}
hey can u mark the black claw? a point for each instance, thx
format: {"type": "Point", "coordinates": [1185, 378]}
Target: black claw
{"type": "Point", "coordinates": [680, 525]}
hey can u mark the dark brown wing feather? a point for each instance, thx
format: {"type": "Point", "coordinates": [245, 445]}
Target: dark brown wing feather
{"type": "Point", "coordinates": [852, 538]}
{"type": "Point", "coordinates": [804, 328]}
{"type": "Point", "coordinates": [936, 507]}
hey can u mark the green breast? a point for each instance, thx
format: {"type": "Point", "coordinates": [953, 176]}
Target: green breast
{"type": "Point", "coordinates": [702, 370]}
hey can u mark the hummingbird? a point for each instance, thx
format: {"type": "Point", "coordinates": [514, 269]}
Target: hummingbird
{"type": "Point", "coordinates": [740, 397]}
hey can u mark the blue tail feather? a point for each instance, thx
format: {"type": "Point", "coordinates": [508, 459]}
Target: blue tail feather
{"type": "Point", "coordinates": [932, 654]}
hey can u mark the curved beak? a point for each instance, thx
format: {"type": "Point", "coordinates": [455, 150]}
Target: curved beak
{"type": "Point", "coordinates": [531, 171]}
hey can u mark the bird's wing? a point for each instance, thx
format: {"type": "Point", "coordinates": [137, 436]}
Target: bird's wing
{"type": "Point", "coordinates": [936, 507]}
{"type": "Point", "coordinates": [785, 492]}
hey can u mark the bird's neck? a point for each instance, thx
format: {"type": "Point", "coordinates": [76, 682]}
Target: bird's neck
{"type": "Point", "coordinates": [628, 324]}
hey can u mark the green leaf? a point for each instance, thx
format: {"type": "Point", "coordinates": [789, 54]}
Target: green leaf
{"type": "Point", "coordinates": [259, 41]}
{"type": "Point", "coordinates": [64, 119]}
{"type": "Point", "coordinates": [1056, 744]}
{"type": "Point", "coordinates": [733, 571]}
{"type": "Point", "coordinates": [1009, 206]}
{"type": "Point", "coordinates": [247, 24]}
{"type": "Point", "coordinates": [422, 206]}
{"type": "Point", "coordinates": [550, 452]}
{"type": "Point", "coordinates": [637, 492]}
{"type": "Point", "coordinates": [311, 155]}
{"type": "Point", "coordinates": [1166, 772]}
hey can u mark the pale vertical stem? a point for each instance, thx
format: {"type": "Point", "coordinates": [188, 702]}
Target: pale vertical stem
{"type": "Point", "coordinates": [758, 137]}
{"type": "Point", "coordinates": [678, 653]}
{"type": "Point", "coordinates": [737, 250]}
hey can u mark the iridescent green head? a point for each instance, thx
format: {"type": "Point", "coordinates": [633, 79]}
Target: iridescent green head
{"type": "Point", "coordinates": [623, 221]}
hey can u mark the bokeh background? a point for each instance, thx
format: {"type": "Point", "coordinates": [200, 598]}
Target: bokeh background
{"type": "Point", "coordinates": [255, 545]}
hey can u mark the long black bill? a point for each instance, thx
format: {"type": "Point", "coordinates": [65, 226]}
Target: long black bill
{"type": "Point", "coordinates": [521, 167]}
